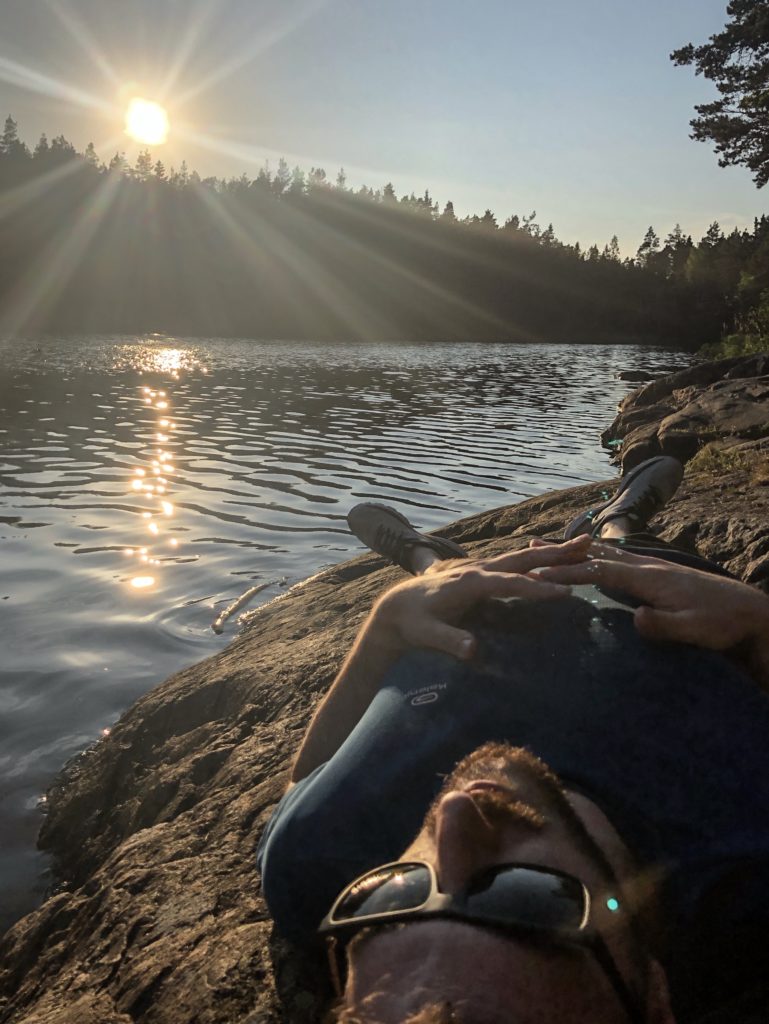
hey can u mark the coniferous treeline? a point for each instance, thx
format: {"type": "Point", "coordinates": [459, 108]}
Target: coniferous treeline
{"type": "Point", "coordinates": [88, 247]}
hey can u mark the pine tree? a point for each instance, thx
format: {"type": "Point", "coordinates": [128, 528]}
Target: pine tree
{"type": "Point", "coordinates": [10, 139]}
{"type": "Point", "coordinates": [42, 149]}
{"type": "Point", "coordinates": [143, 168]}
{"type": "Point", "coordinates": [675, 238]}
{"type": "Point", "coordinates": [611, 252]}
{"type": "Point", "coordinates": [11, 146]}
{"type": "Point", "coordinates": [448, 213]}
{"type": "Point", "coordinates": [61, 152]}
{"type": "Point", "coordinates": [647, 248]}
{"type": "Point", "coordinates": [316, 178]}
{"type": "Point", "coordinates": [548, 236]}
{"type": "Point", "coordinates": [737, 61]}
{"type": "Point", "coordinates": [117, 164]}
{"type": "Point", "coordinates": [297, 186]}
{"type": "Point", "coordinates": [713, 235]}
{"type": "Point", "coordinates": [677, 248]}
{"type": "Point", "coordinates": [282, 178]}
{"type": "Point", "coordinates": [263, 181]}
{"type": "Point", "coordinates": [530, 225]}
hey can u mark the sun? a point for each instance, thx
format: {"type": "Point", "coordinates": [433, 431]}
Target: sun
{"type": "Point", "coordinates": [146, 122]}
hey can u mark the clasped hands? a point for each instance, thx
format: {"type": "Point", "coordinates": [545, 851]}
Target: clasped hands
{"type": "Point", "coordinates": [677, 603]}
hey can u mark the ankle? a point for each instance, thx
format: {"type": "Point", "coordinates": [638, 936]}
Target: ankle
{"type": "Point", "coordinates": [622, 526]}
{"type": "Point", "coordinates": [421, 558]}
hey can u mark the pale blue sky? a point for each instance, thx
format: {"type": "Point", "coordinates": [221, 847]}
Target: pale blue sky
{"type": "Point", "coordinates": [572, 109]}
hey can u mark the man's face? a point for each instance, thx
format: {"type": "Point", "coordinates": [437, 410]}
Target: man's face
{"type": "Point", "coordinates": [502, 805]}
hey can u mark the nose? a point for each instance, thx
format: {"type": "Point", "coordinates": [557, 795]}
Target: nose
{"type": "Point", "coordinates": [466, 841]}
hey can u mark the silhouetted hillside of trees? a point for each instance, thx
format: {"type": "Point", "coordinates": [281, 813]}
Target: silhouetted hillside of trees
{"type": "Point", "coordinates": [89, 247]}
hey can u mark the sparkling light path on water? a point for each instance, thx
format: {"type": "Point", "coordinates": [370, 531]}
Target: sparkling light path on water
{"type": "Point", "coordinates": [146, 484]}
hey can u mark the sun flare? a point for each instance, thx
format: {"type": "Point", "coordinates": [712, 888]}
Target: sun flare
{"type": "Point", "coordinates": [146, 122]}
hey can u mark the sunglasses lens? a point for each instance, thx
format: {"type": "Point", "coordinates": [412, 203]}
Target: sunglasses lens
{"type": "Point", "coordinates": [534, 899]}
{"type": "Point", "coordinates": [402, 887]}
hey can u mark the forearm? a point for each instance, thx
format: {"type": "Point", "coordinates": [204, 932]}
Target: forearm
{"type": "Point", "coordinates": [373, 652]}
{"type": "Point", "coordinates": [421, 612]}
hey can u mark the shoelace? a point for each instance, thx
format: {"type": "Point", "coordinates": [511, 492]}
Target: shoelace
{"type": "Point", "coordinates": [390, 542]}
{"type": "Point", "coordinates": [647, 504]}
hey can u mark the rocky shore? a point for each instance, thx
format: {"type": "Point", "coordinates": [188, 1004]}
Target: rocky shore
{"type": "Point", "coordinates": [159, 917]}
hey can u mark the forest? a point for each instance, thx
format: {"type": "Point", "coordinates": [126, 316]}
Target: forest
{"type": "Point", "coordinates": [94, 247]}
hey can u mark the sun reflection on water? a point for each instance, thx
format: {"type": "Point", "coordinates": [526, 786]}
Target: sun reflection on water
{"type": "Point", "coordinates": [150, 481]}
{"type": "Point", "coordinates": [160, 357]}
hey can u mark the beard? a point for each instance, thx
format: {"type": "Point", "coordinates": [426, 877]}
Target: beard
{"type": "Point", "coordinates": [531, 793]}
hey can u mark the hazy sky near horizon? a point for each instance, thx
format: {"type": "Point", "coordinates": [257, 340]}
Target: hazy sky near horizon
{"type": "Point", "coordinates": [570, 109]}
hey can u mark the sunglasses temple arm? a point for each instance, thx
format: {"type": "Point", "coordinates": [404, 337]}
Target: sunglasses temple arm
{"type": "Point", "coordinates": [334, 953]}
{"type": "Point", "coordinates": [632, 1003]}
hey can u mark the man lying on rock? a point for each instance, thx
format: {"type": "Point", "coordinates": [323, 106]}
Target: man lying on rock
{"type": "Point", "coordinates": [538, 789]}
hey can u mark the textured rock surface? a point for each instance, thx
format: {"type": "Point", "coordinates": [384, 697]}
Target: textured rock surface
{"type": "Point", "coordinates": [154, 829]}
{"type": "Point", "coordinates": [725, 401]}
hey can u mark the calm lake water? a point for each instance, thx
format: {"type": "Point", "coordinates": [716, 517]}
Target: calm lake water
{"type": "Point", "coordinates": [147, 483]}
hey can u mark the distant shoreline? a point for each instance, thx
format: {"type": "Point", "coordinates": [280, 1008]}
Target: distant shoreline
{"type": "Point", "coordinates": [123, 336]}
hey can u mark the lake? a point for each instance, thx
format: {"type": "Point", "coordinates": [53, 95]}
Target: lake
{"type": "Point", "coordinates": [146, 483]}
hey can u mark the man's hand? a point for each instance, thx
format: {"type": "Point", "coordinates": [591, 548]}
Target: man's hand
{"type": "Point", "coordinates": [681, 604]}
{"type": "Point", "coordinates": [423, 612]}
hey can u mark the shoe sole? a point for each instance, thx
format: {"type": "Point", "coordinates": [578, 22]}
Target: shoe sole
{"type": "Point", "coordinates": [441, 545]}
{"type": "Point", "coordinates": [382, 508]}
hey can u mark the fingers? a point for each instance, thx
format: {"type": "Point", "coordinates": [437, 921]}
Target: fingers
{"type": "Point", "coordinates": [581, 540]}
{"type": "Point", "coordinates": [617, 553]}
{"type": "Point", "coordinates": [684, 627]}
{"type": "Point", "coordinates": [469, 586]}
{"type": "Point", "coordinates": [593, 571]}
{"type": "Point", "coordinates": [633, 579]}
{"type": "Point", "coordinates": [485, 584]}
{"type": "Point", "coordinates": [541, 553]}
{"type": "Point", "coordinates": [442, 637]}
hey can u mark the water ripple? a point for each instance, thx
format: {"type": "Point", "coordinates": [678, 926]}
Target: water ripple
{"type": "Point", "coordinates": [208, 467]}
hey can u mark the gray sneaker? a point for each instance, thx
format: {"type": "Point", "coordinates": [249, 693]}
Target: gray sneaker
{"type": "Point", "coordinates": [640, 496]}
{"type": "Point", "coordinates": [390, 534]}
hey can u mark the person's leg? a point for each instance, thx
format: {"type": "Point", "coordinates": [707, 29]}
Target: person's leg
{"type": "Point", "coordinates": [616, 528]}
{"type": "Point", "coordinates": [422, 558]}
{"type": "Point", "coordinates": [655, 547]}
{"type": "Point", "coordinates": [642, 493]}
{"type": "Point", "coordinates": [389, 533]}
{"type": "Point", "coordinates": [623, 519]}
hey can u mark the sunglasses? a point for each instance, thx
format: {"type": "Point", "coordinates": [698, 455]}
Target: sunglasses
{"type": "Point", "coordinates": [528, 901]}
